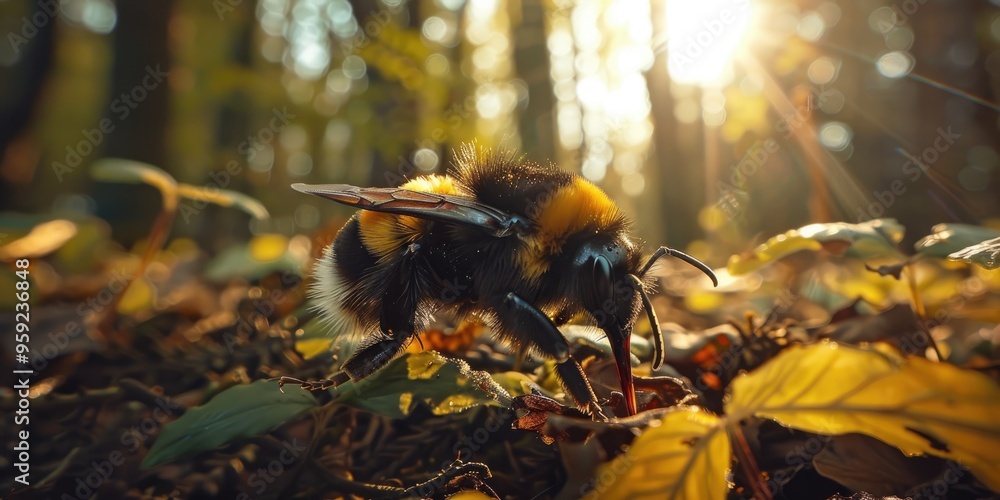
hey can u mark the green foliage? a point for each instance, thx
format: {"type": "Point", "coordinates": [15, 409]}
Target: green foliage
{"type": "Point", "coordinates": [261, 256]}
{"type": "Point", "coordinates": [238, 412]}
{"type": "Point", "coordinates": [872, 239]}
{"type": "Point", "coordinates": [985, 254]}
{"type": "Point", "coordinates": [136, 172]}
{"type": "Point", "coordinates": [445, 385]}
{"type": "Point", "coordinates": [946, 239]}
{"type": "Point", "coordinates": [875, 239]}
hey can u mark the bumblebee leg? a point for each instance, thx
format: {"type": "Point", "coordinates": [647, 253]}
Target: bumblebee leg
{"type": "Point", "coordinates": [396, 320]}
{"type": "Point", "coordinates": [520, 315]}
{"type": "Point", "coordinates": [374, 355]}
{"type": "Point", "coordinates": [578, 387]}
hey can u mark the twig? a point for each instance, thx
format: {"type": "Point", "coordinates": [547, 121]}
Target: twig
{"type": "Point", "coordinates": [749, 465]}
{"type": "Point", "coordinates": [918, 307]}
{"type": "Point", "coordinates": [63, 465]}
{"type": "Point", "coordinates": [456, 469]}
{"type": "Point", "coordinates": [157, 236]}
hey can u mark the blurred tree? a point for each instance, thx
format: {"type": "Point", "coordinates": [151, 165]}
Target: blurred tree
{"type": "Point", "coordinates": [680, 182]}
{"type": "Point", "coordinates": [234, 122]}
{"type": "Point", "coordinates": [21, 86]}
{"type": "Point", "coordinates": [531, 60]}
{"type": "Point", "coordinates": [141, 109]}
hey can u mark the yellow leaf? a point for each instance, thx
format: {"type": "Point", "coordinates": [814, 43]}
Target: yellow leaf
{"type": "Point", "coordinates": [686, 456]}
{"type": "Point", "coordinates": [773, 249]}
{"type": "Point", "coordinates": [225, 198]}
{"type": "Point", "coordinates": [310, 348]}
{"type": "Point", "coordinates": [703, 301]}
{"type": "Point", "coordinates": [875, 238]}
{"type": "Point", "coordinates": [268, 247]}
{"type": "Point", "coordinates": [711, 218]}
{"type": "Point", "coordinates": [919, 406]}
{"type": "Point", "coordinates": [470, 495]}
{"type": "Point", "coordinates": [139, 296]}
{"type": "Point", "coordinates": [455, 403]}
{"type": "Point", "coordinates": [405, 402]}
{"type": "Point", "coordinates": [43, 239]}
{"type": "Point", "coordinates": [424, 365]}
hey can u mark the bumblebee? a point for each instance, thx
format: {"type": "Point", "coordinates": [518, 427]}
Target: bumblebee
{"type": "Point", "coordinates": [523, 247]}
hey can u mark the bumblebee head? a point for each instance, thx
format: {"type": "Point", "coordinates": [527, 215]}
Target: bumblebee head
{"type": "Point", "coordinates": [612, 293]}
{"type": "Point", "coordinates": [612, 289]}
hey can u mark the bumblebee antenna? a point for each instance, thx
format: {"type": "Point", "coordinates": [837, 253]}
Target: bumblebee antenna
{"type": "Point", "coordinates": [654, 323]}
{"type": "Point", "coordinates": [682, 256]}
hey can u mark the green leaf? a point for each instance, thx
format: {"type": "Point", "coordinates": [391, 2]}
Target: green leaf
{"type": "Point", "coordinates": [130, 172]}
{"type": "Point", "coordinates": [686, 456]}
{"type": "Point", "coordinates": [917, 405]}
{"type": "Point", "coordinates": [225, 198]}
{"type": "Point", "coordinates": [446, 385]}
{"type": "Point", "coordinates": [263, 255]}
{"type": "Point", "coordinates": [946, 239]}
{"type": "Point", "coordinates": [136, 172]}
{"type": "Point", "coordinates": [238, 412]}
{"type": "Point", "coordinates": [866, 240]}
{"type": "Point", "coordinates": [985, 254]}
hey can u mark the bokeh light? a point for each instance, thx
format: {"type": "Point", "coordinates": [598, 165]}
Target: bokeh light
{"type": "Point", "coordinates": [703, 37]}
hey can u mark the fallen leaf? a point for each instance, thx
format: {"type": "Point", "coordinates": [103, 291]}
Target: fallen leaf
{"type": "Point", "coordinates": [686, 456]}
{"type": "Point", "coordinates": [985, 254]}
{"type": "Point", "coordinates": [445, 385]}
{"type": "Point", "coordinates": [946, 239]}
{"type": "Point", "coordinates": [875, 238]}
{"type": "Point", "coordinates": [238, 412]}
{"type": "Point", "coordinates": [919, 406]}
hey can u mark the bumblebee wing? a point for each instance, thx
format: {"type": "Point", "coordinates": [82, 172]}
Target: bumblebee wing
{"type": "Point", "coordinates": [431, 206]}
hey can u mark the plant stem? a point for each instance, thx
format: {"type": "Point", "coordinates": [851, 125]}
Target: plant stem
{"type": "Point", "coordinates": [749, 465]}
{"type": "Point", "coordinates": [157, 237]}
{"type": "Point", "coordinates": [918, 307]}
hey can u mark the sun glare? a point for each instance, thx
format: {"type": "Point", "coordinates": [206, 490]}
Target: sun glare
{"type": "Point", "coordinates": [703, 36]}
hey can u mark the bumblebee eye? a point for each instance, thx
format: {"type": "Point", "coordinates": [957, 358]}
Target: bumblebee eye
{"type": "Point", "coordinates": [602, 292]}
{"type": "Point", "coordinates": [603, 280]}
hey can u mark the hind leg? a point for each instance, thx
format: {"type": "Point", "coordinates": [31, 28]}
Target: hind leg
{"type": "Point", "coordinates": [398, 309]}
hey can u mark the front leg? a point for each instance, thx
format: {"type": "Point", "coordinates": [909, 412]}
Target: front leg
{"type": "Point", "coordinates": [534, 327]}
